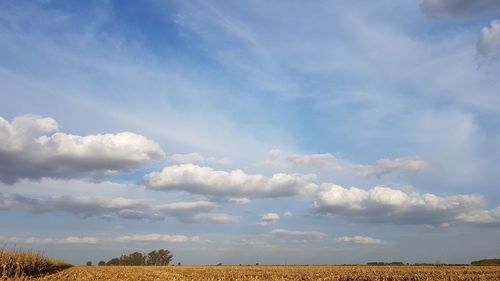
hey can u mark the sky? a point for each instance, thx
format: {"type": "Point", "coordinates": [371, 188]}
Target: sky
{"type": "Point", "coordinates": [237, 132]}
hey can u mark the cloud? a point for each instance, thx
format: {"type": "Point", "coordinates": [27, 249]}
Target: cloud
{"type": "Point", "coordinates": [300, 235]}
{"type": "Point", "coordinates": [239, 201]}
{"type": "Point", "coordinates": [155, 237]}
{"type": "Point", "coordinates": [362, 240]}
{"type": "Point", "coordinates": [216, 218]}
{"type": "Point", "coordinates": [192, 158]}
{"type": "Point", "coordinates": [207, 181]}
{"type": "Point", "coordinates": [195, 212]}
{"type": "Point", "coordinates": [460, 8]}
{"type": "Point", "coordinates": [26, 151]}
{"type": "Point", "coordinates": [388, 166]}
{"type": "Point", "coordinates": [488, 45]}
{"type": "Point", "coordinates": [196, 158]}
{"type": "Point", "coordinates": [288, 214]}
{"type": "Point", "coordinates": [269, 218]}
{"type": "Point", "coordinates": [329, 162]}
{"type": "Point", "coordinates": [139, 215]}
{"type": "Point", "coordinates": [482, 217]}
{"type": "Point", "coordinates": [311, 160]}
{"type": "Point", "coordinates": [37, 240]}
{"type": "Point", "coordinates": [79, 205]}
{"type": "Point", "coordinates": [387, 205]}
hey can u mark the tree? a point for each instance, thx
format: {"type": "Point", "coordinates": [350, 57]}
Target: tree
{"type": "Point", "coordinates": [113, 261]}
{"type": "Point", "coordinates": [160, 257]}
{"type": "Point", "coordinates": [179, 264]}
{"type": "Point", "coordinates": [101, 263]}
{"type": "Point", "coordinates": [89, 263]}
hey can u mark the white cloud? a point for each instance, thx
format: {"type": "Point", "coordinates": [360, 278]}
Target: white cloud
{"type": "Point", "coordinates": [300, 235]}
{"type": "Point", "coordinates": [384, 204]}
{"type": "Point", "coordinates": [186, 207]}
{"type": "Point", "coordinates": [217, 218]}
{"type": "Point", "coordinates": [207, 181]}
{"type": "Point", "coordinates": [482, 217]}
{"type": "Point", "coordinates": [362, 240]}
{"type": "Point", "coordinates": [269, 218]}
{"type": "Point", "coordinates": [197, 158]}
{"type": "Point", "coordinates": [387, 166]}
{"type": "Point", "coordinates": [488, 45]}
{"type": "Point", "coordinates": [288, 214]}
{"type": "Point", "coordinates": [155, 237]}
{"type": "Point", "coordinates": [460, 8]}
{"type": "Point", "coordinates": [239, 201]}
{"type": "Point", "coordinates": [26, 151]}
{"type": "Point", "coordinates": [38, 240]}
{"type": "Point", "coordinates": [329, 162]}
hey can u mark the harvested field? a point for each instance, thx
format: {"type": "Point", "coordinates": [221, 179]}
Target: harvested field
{"type": "Point", "coordinates": [366, 273]}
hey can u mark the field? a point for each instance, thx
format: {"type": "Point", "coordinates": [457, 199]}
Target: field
{"type": "Point", "coordinates": [19, 264]}
{"type": "Point", "coordinates": [365, 273]}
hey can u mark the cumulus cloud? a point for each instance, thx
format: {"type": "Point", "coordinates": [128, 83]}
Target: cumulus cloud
{"type": "Point", "coordinates": [27, 151]}
{"type": "Point", "coordinates": [269, 218]}
{"type": "Point", "coordinates": [155, 237]}
{"type": "Point", "coordinates": [387, 166]}
{"type": "Point", "coordinates": [139, 215]}
{"type": "Point", "coordinates": [207, 181]}
{"type": "Point", "coordinates": [362, 240]}
{"type": "Point", "coordinates": [460, 8]}
{"type": "Point", "coordinates": [482, 217]}
{"type": "Point", "coordinates": [384, 204]}
{"type": "Point", "coordinates": [488, 45]}
{"type": "Point", "coordinates": [299, 235]}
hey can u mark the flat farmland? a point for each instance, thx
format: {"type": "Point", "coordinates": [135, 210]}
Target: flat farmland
{"type": "Point", "coordinates": [184, 273]}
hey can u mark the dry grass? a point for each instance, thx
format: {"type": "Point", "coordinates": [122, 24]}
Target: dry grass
{"type": "Point", "coordinates": [275, 273]}
{"type": "Point", "coordinates": [24, 265]}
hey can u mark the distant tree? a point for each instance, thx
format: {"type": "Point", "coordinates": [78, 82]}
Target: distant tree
{"type": "Point", "coordinates": [160, 257]}
{"type": "Point", "coordinates": [101, 263]}
{"type": "Point", "coordinates": [114, 261]}
{"type": "Point", "coordinates": [179, 264]}
{"type": "Point", "coordinates": [219, 264]}
{"type": "Point", "coordinates": [256, 263]}
{"type": "Point", "coordinates": [89, 263]}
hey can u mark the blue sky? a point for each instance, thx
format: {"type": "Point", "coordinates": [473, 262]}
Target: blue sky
{"type": "Point", "coordinates": [284, 132]}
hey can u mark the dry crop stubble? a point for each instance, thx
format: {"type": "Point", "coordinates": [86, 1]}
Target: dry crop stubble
{"type": "Point", "coordinates": [334, 273]}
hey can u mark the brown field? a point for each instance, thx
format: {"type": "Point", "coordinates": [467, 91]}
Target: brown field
{"type": "Point", "coordinates": [21, 264]}
{"type": "Point", "coordinates": [366, 273]}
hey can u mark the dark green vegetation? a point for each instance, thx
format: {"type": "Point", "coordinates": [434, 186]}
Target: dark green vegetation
{"type": "Point", "coordinates": [160, 257]}
{"type": "Point", "coordinates": [486, 262]}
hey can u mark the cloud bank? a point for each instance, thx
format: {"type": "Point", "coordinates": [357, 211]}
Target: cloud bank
{"type": "Point", "coordinates": [387, 205]}
{"type": "Point", "coordinates": [207, 181]}
{"type": "Point", "coordinates": [27, 152]}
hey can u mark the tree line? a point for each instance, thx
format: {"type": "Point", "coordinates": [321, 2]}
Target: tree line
{"type": "Point", "coordinates": [157, 257]}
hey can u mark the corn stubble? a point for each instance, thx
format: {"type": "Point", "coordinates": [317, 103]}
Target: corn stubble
{"type": "Point", "coordinates": [274, 273]}
{"type": "Point", "coordinates": [23, 265]}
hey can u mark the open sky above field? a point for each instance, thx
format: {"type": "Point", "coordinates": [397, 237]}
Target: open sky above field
{"type": "Point", "coordinates": [251, 131]}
